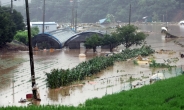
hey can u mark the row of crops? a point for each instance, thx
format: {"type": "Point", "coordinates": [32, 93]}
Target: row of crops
{"type": "Point", "coordinates": [60, 77]}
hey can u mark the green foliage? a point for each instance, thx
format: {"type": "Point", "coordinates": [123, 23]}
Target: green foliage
{"type": "Point", "coordinates": [129, 36]}
{"type": "Point", "coordinates": [159, 65]}
{"type": "Point", "coordinates": [110, 40]}
{"type": "Point", "coordinates": [9, 24]}
{"type": "Point", "coordinates": [92, 42]}
{"type": "Point", "coordinates": [60, 77]}
{"type": "Point", "coordinates": [7, 28]}
{"type": "Point", "coordinates": [110, 18]}
{"type": "Point", "coordinates": [22, 36]}
{"type": "Point", "coordinates": [156, 96]}
{"type": "Point", "coordinates": [135, 62]}
{"type": "Point", "coordinates": [127, 53]}
{"type": "Point", "coordinates": [18, 20]}
{"type": "Point", "coordinates": [34, 31]}
{"type": "Point", "coordinates": [146, 50]}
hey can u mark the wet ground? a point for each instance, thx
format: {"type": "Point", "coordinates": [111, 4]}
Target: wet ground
{"type": "Point", "coordinates": [15, 74]}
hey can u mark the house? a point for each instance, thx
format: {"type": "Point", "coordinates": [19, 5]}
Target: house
{"type": "Point", "coordinates": [48, 26]}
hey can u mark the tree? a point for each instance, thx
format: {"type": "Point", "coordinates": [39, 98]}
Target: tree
{"type": "Point", "coordinates": [7, 28]}
{"type": "Point", "coordinates": [110, 40]}
{"type": "Point", "coordinates": [129, 36]}
{"type": "Point", "coordinates": [155, 17]}
{"type": "Point", "coordinates": [18, 20]}
{"type": "Point", "coordinates": [16, 17]}
{"type": "Point", "coordinates": [34, 31]}
{"type": "Point", "coordinates": [92, 42]}
{"type": "Point", "coordinates": [23, 37]}
{"type": "Point", "coordinates": [9, 24]}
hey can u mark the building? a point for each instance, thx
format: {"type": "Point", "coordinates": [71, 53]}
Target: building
{"type": "Point", "coordinates": [54, 39]}
{"type": "Point", "coordinates": [79, 39]}
{"type": "Point", "coordinates": [48, 26]}
{"type": "Point", "coordinates": [61, 38]}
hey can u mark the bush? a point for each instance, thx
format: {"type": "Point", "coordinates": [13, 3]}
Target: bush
{"type": "Point", "coordinates": [22, 36]}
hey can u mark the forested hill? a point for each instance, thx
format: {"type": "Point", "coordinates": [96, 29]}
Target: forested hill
{"type": "Point", "coordinates": [90, 11]}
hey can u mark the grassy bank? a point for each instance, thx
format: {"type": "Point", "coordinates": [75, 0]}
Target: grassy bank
{"type": "Point", "coordinates": [162, 95]}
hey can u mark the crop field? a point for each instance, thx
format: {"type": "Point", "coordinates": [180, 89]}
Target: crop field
{"type": "Point", "coordinates": [166, 95]}
{"type": "Point", "coordinates": [122, 76]}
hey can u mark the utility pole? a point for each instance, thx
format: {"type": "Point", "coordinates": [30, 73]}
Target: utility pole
{"type": "Point", "coordinates": [72, 17]}
{"type": "Point", "coordinates": [11, 6]}
{"type": "Point", "coordinates": [43, 28]}
{"type": "Point", "coordinates": [130, 14]}
{"type": "Point", "coordinates": [71, 4]}
{"type": "Point", "coordinates": [30, 51]}
{"type": "Point", "coordinates": [166, 17]}
{"type": "Point", "coordinates": [76, 6]}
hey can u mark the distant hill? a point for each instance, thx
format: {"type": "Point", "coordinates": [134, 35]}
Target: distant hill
{"type": "Point", "coordinates": [91, 11]}
{"type": "Point", "coordinates": [178, 16]}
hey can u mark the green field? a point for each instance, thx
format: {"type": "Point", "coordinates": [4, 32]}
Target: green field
{"type": "Point", "coordinates": [162, 95]}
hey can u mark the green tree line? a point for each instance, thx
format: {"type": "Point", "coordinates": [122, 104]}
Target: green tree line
{"type": "Point", "coordinates": [90, 11]}
{"type": "Point", "coordinates": [12, 27]}
{"type": "Point", "coordinates": [126, 35]}
{"type": "Point", "coordinates": [9, 24]}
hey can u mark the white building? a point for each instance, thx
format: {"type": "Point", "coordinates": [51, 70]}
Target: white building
{"type": "Point", "coordinates": [48, 26]}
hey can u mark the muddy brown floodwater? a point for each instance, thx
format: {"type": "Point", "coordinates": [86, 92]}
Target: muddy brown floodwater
{"type": "Point", "coordinates": [15, 74]}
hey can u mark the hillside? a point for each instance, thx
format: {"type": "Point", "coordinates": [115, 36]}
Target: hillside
{"type": "Point", "coordinates": [178, 16]}
{"type": "Point", "coordinates": [91, 11]}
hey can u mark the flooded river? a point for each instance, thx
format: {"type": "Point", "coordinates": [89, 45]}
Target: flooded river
{"type": "Point", "coordinates": [15, 74]}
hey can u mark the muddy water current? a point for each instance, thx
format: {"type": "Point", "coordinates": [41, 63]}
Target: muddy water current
{"type": "Point", "coordinates": [15, 74]}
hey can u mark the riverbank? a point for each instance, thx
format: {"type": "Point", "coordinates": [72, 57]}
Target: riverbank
{"type": "Point", "coordinates": [14, 46]}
